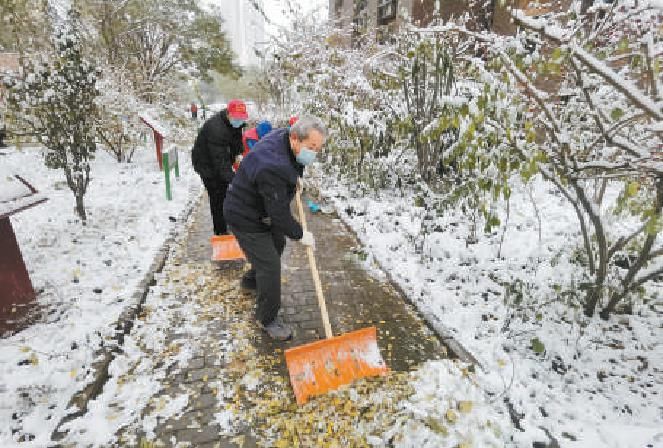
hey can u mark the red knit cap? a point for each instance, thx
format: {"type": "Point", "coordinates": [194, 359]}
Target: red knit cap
{"type": "Point", "coordinates": [237, 110]}
{"type": "Point", "coordinates": [293, 120]}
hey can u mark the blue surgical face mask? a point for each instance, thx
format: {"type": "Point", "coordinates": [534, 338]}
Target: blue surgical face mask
{"type": "Point", "coordinates": [306, 156]}
{"type": "Point", "coordinates": [236, 123]}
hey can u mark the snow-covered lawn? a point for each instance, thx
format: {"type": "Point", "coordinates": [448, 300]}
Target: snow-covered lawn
{"type": "Point", "coordinates": [585, 382]}
{"type": "Point", "coordinates": [86, 275]}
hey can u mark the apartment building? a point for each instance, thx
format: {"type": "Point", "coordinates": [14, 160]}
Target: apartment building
{"type": "Point", "coordinates": [371, 15]}
{"type": "Point", "coordinates": [245, 28]}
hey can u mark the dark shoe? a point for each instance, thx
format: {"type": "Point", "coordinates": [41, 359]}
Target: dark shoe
{"type": "Point", "coordinates": [277, 330]}
{"type": "Point", "coordinates": [248, 284]}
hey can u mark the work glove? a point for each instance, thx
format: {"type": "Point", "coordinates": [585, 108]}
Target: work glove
{"type": "Point", "coordinates": [308, 240]}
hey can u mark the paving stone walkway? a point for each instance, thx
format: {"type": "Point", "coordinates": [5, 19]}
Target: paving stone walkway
{"type": "Point", "coordinates": [355, 299]}
{"type": "Point", "coordinates": [236, 370]}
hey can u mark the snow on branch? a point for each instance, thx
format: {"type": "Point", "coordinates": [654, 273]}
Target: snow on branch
{"type": "Point", "coordinates": [539, 96]}
{"type": "Point", "coordinates": [624, 86]}
{"type": "Point", "coordinates": [550, 31]}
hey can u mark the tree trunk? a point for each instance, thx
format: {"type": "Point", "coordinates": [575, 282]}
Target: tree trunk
{"type": "Point", "coordinates": [585, 5]}
{"type": "Point", "coordinates": [80, 207]}
{"type": "Point", "coordinates": [628, 284]}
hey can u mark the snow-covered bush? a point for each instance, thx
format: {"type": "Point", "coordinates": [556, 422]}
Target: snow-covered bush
{"type": "Point", "coordinates": [573, 97]}
{"type": "Point", "coordinates": [426, 77]}
{"type": "Point", "coordinates": [119, 128]}
{"type": "Point", "coordinates": [313, 70]}
{"type": "Point", "coordinates": [592, 85]}
{"type": "Point", "coordinates": [55, 101]}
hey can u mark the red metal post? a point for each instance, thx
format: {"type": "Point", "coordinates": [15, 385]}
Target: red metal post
{"type": "Point", "coordinates": [158, 139]}
{"type": "Point", "coordinates": [15, 285]}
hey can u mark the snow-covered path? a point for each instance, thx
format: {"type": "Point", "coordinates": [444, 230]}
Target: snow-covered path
{"type": "Point", "coordinates": [196, 371]}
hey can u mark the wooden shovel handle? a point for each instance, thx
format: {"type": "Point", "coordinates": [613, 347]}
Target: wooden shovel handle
{"type": "Point", "coordinates": [314, 272]}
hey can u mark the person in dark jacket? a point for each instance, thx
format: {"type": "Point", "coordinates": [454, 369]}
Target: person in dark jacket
{"type": "Point", "coordinates": [218, 144]}
{"type": "Point", "coordinates": [3, 135]}
{"type": "Point", "coordinates": [257, 209]}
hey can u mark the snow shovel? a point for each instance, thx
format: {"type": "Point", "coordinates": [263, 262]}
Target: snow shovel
{"type": "Point", "coordinates": [325, 365]}
{"type": "Point", "coordinates": [226, 248]}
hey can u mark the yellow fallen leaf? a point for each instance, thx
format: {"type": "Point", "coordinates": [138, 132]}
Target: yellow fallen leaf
{"type": "Point", "coordinates": [145, 444]}
{"type": "Point", "coordinates": [437, 426]}
{"type": "Point", "coordinates": [25, 349]}
{"type": "Point", "coordinates": [72, 374]}
{"type": "Point", "coordinates": [239, 440]}
{"type": "Point", "coordinates": [34, 360]}
{"type": "Point", "coordinates": [282, 443]}
{"type": "Point", "coordinates": [465, 406]}
{"type": "Point", "coordinates": [348, 407]}
{"type": "Point", "coordinates": [451, 416]}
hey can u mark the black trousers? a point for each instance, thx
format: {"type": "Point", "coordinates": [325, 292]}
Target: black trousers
{"type": "Point", "coordinates": [264, 251]}
{"type": "Point", "coordinates": [216, 190]}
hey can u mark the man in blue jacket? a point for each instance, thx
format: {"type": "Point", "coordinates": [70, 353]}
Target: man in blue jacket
{"type": "Point", "coordinates": [257, 209]}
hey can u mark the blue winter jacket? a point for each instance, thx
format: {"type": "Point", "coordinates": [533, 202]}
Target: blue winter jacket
{"type": "Point", "coordinates": [259, 197]}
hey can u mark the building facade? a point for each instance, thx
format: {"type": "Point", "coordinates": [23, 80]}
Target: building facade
{"type": "Point", "coordinates": [245, 27]}
{"type": "Point", "coordinates": [371, 15]}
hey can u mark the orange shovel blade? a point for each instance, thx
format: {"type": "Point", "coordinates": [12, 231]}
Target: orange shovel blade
{"type": "Point", "coordinates": [226, 248]}
{"type": "Point", "coordinates": [321, 366]}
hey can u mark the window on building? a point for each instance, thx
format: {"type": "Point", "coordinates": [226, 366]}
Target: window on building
{"type": "Point", "coordinates": [360, 13]}
{"type": "Point", "coordinates": [359, 22]}
{"type": "Point", "coordinates": [387, 11]}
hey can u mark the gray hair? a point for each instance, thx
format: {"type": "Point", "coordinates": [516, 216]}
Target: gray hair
{"type": "Point", "coordinates": [306, 124]}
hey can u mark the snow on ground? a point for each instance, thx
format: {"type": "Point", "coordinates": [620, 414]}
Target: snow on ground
{"type": "Point", "coordinates": [585, 381]}
{"type": "Point", "coordinates": [85, 275]}
{"type": "Point", "coordinates": [134, 394]}
{"type": "Point", "coordinates": [447, 409]}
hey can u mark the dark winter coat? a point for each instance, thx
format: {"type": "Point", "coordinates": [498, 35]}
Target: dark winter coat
{"type": "Point", "coordinates": [258, 200]}
{"type": "Point", "coordinates": [216, 147]}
